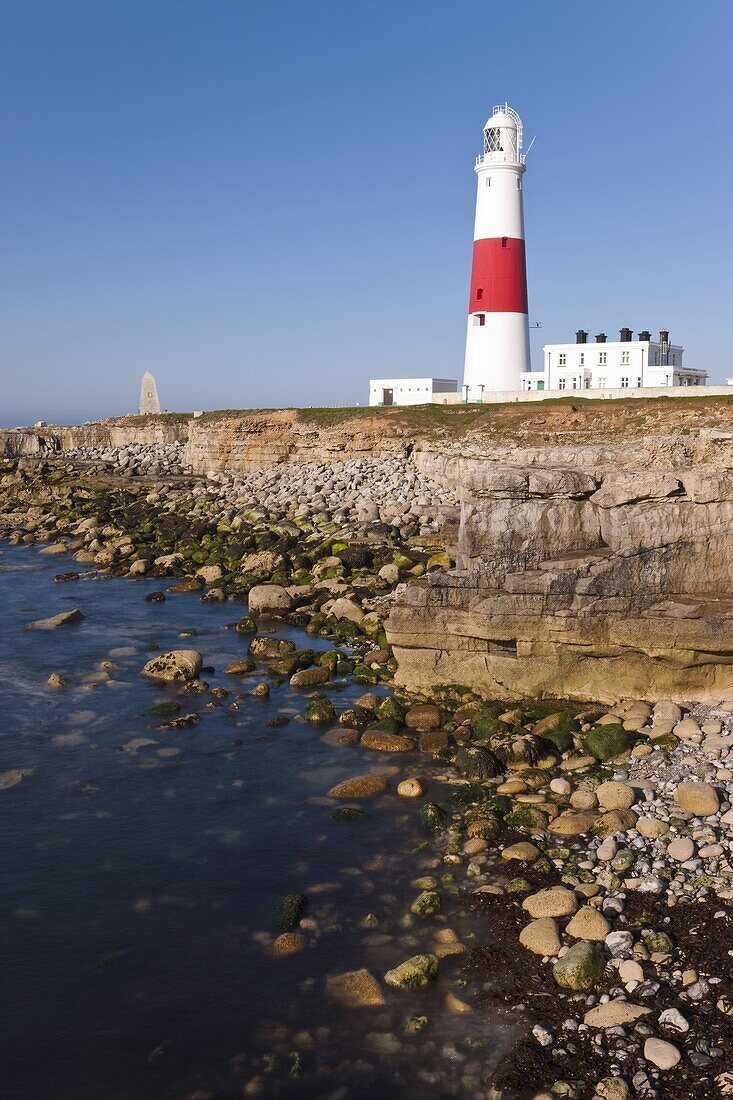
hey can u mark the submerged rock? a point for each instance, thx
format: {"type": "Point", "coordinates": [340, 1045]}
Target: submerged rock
{"type": "Point", "coordinates": [64, 618]}
{"type": "Point", "coordinates": [413, 973]}
{"type": "Point", "coordinates": [355, 989]}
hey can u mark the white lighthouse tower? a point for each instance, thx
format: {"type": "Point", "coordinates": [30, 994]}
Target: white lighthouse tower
{"type": "Point", "coordinates": [497, 340]}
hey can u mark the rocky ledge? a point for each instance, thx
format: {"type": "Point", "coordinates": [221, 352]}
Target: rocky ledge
{"type": "Point", "coordinates": [605, 578]}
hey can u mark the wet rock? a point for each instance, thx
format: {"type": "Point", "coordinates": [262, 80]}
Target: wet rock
{"type": "Point", "coordinates": [210, 574]}
{"type": "Point", "coordinates": [580, 968]}
{"type": "Point", "coordinates": [239, 668]}
{"type": "Point", "coordinates": [413, 973]}
{"type": "Point", "coordinates": [411, 788]}
{"type": "Point", "coordinates": [289, 943]}
{"type": "Point", "coordinates": [433, 817]}
{"type": "Point", "coordinates": [57, 680]}
{"type": "Point", "coordinates": [524, 851]}
{"type": "Point", "coordinates": [355, 989]}
{"type": "Point", "coordinates": [310, 677]}
{"type": "Point", "coordinates": [433, 741]}
{"type": "Point", "coordinates": [478, 763]}
{"type": "Point", "coordinates": [424, 717]}
{"type": "Point", "coordinates": [13, 777]}
{"type": "Point", "coordinates": [386, 742]}
{"type": "Point", "coordinates": [426, 904]}
{"type": "Point", "coordinates": [360, 786]}
{"type": "Point", "coordinates": [608, 742]}
{"type": "Point", "coordinates": [177, 665]}
{"type": "Point", "coordinates": [292, 908]}
{"type": "Point", "coordinates": [271, 648]}
{"type": "Point", "coordinates": [64, 618]}
{"type": "Point", "coordinates": [320, 709]}
{"type": "Point", "coordinates": [264, 598]}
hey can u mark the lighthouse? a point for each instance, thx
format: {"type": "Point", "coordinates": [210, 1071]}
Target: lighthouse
{"type": "Point", "coordinates": [497, 338]}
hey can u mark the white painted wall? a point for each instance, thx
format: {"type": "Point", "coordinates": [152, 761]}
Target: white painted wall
{"type": "Point", "coordinates": [614, 365]}
{"type": "Point", "coordinates": [410, 391]}
{"type": "Point", "coordinates": [496, 352]}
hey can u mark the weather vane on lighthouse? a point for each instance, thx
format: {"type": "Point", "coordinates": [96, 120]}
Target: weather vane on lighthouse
{"type": "Point", "coordinates": [497, 339]}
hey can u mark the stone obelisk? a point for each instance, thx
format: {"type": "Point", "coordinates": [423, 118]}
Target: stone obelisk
{"type": "Point", "coordinates": [149, 402]}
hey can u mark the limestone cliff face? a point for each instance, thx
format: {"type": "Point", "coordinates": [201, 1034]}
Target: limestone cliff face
{"type": "Point", "coordinates": [56, 439]}
{"type": "Point", "coordinates": [601, 578]}
{"type": "Point", "coordinates": [240, 442]}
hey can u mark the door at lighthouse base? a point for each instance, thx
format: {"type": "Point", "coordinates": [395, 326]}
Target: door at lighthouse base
{"type": "Point", "coordinates": [388, 397]}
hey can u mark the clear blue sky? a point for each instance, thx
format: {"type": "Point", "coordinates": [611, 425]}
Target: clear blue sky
{"type": "Point", "coordinates": [268, 203]}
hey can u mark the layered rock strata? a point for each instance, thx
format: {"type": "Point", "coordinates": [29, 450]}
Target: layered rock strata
{"type": "Point", "coordinates": [599, 582]}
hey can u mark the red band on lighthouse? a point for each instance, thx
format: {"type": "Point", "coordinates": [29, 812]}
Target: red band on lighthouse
{"type": "Point", "coordinates": [498, 276]}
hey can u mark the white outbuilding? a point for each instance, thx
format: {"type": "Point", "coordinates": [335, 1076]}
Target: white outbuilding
{"type": "Point", "coordinates": [410, 391]}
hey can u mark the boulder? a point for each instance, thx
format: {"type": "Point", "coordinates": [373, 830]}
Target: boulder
{"type": "Point", "coordinates": [269, 597]}
{"type": "Point", "coordinates": [572, 824]}
{"type": "Point", "coordinates": [310, 677]}
{"type": "Point", "coordinates": [386, 742]}
{"type": "Point", "coordinates": [64, 618]}
{"type": "Point", "coordinates": [613, 795]}
{"type": "Point", "coordinates": [210, 574]}
{"type": "Point", "coordinates": [580, 968]}
{"type": "Point", "coordinates": [347, 609]}
{"type": "Point", "coordinates": [541, 937]}
{"type": "Point", "coordinates": [360, 786]}
{"type": "Point", "coordinates": [178, 664]}
{"type": "Point", "coordinates": [556, 901]}
{"type": "Point", "coordinates": [614, 1013]}
{"type": "Point", "coordinates": [700, 799]}
{"type": "Point", "coordinates": [411, 788]}
{"type": "Point", "coordinates": [423, 717]}
{"type": "Point", "coordinates": [661, 1054]}
{"type": "Point", "coordinates": [588, 924]}
{"type": "Point", "coordinates": [355, 989]}
{"type": "Point", "coordinates": [413, 973]}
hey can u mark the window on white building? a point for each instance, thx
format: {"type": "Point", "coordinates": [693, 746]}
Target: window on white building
{"type": "Point", "coordinates": [582, 358]}
{"type": "Point", "coordinates": [575, 383]}
{"type": "Point", "coordinates": [624, 358]}
{"type": "Point", "coordinates": [602, 358]}
{"type": "Point", "coordinates": [601, 383]}
{"type": "Point", "coordinates": [587, 383]}
{"type": "Point", "coordinates": [488, 181]}
{"type": "Point", "coordinates": [624, 383]}
{"type": "Point", "coordinates": [562, 359]}
{"type": "Point", "coordinates": [479, 318]}
{"type": "Point", "coordinates": [638, 383]}
{"type": "Point", "coordinates": [519, 183]}
{"type": "Point", "coordinates": [561, 383]}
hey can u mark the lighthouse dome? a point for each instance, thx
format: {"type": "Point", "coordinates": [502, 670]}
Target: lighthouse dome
{"type": "Point", "coordinates": [503, 135]}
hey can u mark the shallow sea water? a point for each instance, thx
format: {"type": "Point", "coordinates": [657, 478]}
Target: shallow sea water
{"type": "Point", "coordinates": [139, 887]}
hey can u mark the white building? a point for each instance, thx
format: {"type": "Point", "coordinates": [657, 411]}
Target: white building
{"type": "Point", "coordinates": [613, 364]}
{"type": "Point", "coordinates": [497, 334]}
{"type": "Point", "coordinates": [409, 391]}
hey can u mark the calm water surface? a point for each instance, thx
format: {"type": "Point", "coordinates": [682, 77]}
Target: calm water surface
{"type": "Point", "coordinates": [139, 886]}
